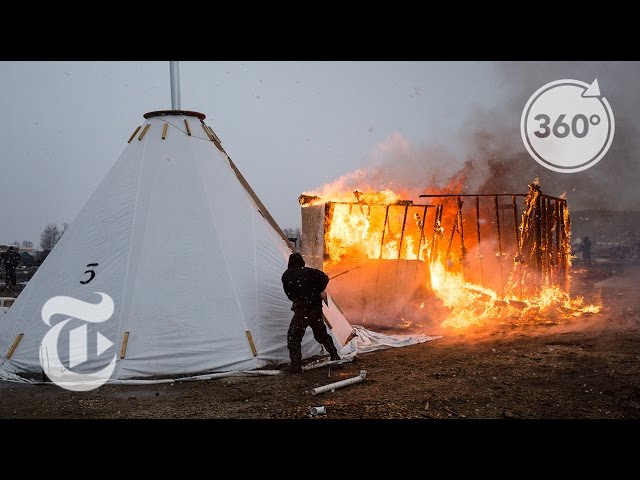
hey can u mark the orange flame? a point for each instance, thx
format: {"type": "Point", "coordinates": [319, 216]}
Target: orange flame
{"type": "Point", "coordinates": [473, 305]}
{"type": "Point", "coordinates": [369, 224]}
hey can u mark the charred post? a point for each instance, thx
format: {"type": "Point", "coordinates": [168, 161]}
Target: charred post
{"type": "Point", "coordinates": [454, 228]}
{"type": "Point", "coordinates": [549, 242]}
{"type": "Point", "coordinates": [499, 233]}
{"type": "Point", "coordinates": [478, 231]}
{"type": "Point", "coordinates": [557, 256]}
{"type": "Point", "coordinates": [421, 226]}
{"type": "Point", "coordinates": [463, 249]}
{"type": "Point", "coordinates": [404, 224]}
{"type": "Point", "coordinates": [436, 230]}
{"type": "Point", "coordinates": [543, 242]}
{"type": "Point", "coordinates": [518, 257]}
{"type": "Point", "coordinates": [537, 251]}
{"type": "Point", "coordinates": [384, 229]}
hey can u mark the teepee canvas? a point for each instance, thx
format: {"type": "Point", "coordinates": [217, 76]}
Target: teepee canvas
{"type": "Point", "coordinates": [171, 268]}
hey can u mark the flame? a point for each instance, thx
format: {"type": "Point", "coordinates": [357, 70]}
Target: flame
{"type": "Point", "coordinates": [378, 225]}
{"type": "Point", "coordinates": [474, 305]}
{"type": "Point", "coordinates": [356, 228]}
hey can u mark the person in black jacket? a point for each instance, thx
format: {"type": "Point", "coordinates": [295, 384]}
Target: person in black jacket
{"type": "Point", "coordinates": [11, 260]}
{"type": "Point", "coordinates": [304, 286]}
{"type": "Point", "coordinates": [586, 251]}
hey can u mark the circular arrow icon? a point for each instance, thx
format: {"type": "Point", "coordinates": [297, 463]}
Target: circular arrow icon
{"type": "Point", "coordinates": [567, 125]}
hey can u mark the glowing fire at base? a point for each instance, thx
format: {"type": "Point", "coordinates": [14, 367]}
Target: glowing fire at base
{"type": "Point", "coordinates": [473, 305]}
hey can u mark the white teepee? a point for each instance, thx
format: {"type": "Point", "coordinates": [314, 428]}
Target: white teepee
{"type": "Point", "coordinates": [188, 254]}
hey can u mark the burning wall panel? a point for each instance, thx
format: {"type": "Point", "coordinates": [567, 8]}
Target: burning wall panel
{"type": "Point", "coordinates": [376, 291]}
{"type": "Point", "coordinates": [373, 252]}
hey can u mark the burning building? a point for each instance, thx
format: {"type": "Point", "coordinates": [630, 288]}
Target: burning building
{"type": "Point", "coordinates": [374, 249]}
{"type": "Point", "coordinates": [451, 259]}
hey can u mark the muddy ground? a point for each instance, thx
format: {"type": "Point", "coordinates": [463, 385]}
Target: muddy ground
{"type": "Point", "coordinates": [587, 368]}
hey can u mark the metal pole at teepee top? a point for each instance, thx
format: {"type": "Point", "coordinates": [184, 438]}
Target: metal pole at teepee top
{"type": "Point", "coordinates": [174, 73]}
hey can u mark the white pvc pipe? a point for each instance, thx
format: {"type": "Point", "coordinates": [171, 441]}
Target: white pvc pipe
{"type": "Point", "coordinates": [174, 75]}
{"type": "Point", "coordinates": [341, 383]}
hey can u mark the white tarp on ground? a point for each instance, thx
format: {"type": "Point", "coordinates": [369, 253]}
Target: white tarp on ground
{"type": "Point", "coordinates": [368, 341]}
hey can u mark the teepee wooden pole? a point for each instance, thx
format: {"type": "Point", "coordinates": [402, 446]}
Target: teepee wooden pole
{"type": "Point", "coordinates": [251, 343]}
{"type": "Point", "coordinates": [15, 344]}
{"type": "Point", "coordinates": [125, 342]}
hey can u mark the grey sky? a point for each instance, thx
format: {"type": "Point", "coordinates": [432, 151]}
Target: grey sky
{"type": "Point", "coordinates": [289, 126]}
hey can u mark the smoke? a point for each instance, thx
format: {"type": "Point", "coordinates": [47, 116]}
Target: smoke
{"type": "Point", "coordinates": [500, 157]}
{"type": "Point", "coordinates": [495, 160]}
{"type": "Point", "coordinates": [407, 170]}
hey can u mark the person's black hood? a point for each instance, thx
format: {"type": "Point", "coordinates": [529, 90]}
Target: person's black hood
{"type": "Point", "coordinates": [295, 260]}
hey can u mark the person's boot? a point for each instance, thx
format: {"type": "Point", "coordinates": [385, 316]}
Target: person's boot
{"type": "Point", "coordinates": [293, 368]}
{"type": "Point", "coordinates": [335, 356]}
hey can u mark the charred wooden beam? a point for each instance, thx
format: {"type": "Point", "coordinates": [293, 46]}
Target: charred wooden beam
{"type": "Point", "coordinates": [564, 242]}
{"type": "Point", "coordinates": [557, 256]}
{"type": "Point", "coordinates": [384, 229]}
{"type": "Point", "coordinates": [545, 239]}
{"type": "Point", "coordinates": [421, 225]}
{"type": "Point", "coordinates": [454, 228]}
{"type": "Point", "coordinates": [404, 223]}
{"type": "Point", "coordinates": [499, 233]}
{"type": "Point", "coordinates": [305, 199]}
{"type": "Point", "coordinates": [538, 235]}
{"type": "Point", "coordinates": [463, 250]}
{"type": "Point", "coordinates": [518, 257]}
{"type": "Point", "coordinates": [549, 243]}
{"type": "Point", "coordinates": [479, 244]}
{"type": "Point", "coordinates": [517, 230]}
{"type": "Point", "coordinates": [436, 195]}
{"type": "Point", "coordinates": [434, 237]}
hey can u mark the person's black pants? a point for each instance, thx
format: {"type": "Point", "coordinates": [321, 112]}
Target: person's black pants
{"type": "Point", "coordinates": [299, 323]}
{"type": "Point", "coordinates": [10, 276]}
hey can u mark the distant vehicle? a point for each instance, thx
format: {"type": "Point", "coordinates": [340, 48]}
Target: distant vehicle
{"type": "Point", "coordinates": [6, 302]}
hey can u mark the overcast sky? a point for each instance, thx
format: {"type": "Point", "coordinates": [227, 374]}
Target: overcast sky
{"type": "Point", "coordinates": [289, 126]}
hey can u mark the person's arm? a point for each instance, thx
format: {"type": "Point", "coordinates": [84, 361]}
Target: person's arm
{"type": "Point", "coordinates": [320, 280]}
{"type": "Point", "coordinates": [287, 287]}
{"type": "Point", "coordinates": [324, 281]}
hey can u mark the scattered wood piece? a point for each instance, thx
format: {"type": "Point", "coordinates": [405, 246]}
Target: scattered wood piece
{"type": "Point", "coordinates": [447, 409]}
{"type": "Point", "coordinates": [518, 304]}
{"type": "Point", "coordinates": [508, 414]}
{"type": "Point", "coordinates": [426, 407]}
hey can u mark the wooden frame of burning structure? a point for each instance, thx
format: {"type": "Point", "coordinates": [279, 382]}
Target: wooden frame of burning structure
{"type": "Point", "coordinates": [369, 285]}
{"type": "Point", "coordinates": [379, 282]}
{"type": "Point", "coordinates": [541, 239]}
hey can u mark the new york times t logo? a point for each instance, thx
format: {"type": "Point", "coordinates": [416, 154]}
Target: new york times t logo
{"type": "Point", "coordinates": [77, 342]}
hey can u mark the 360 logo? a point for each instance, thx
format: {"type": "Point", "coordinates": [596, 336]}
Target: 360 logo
{"type": "Point", "coordinates": [78, 343]}
{"type": "Point", "coordinates": [567, 125]}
